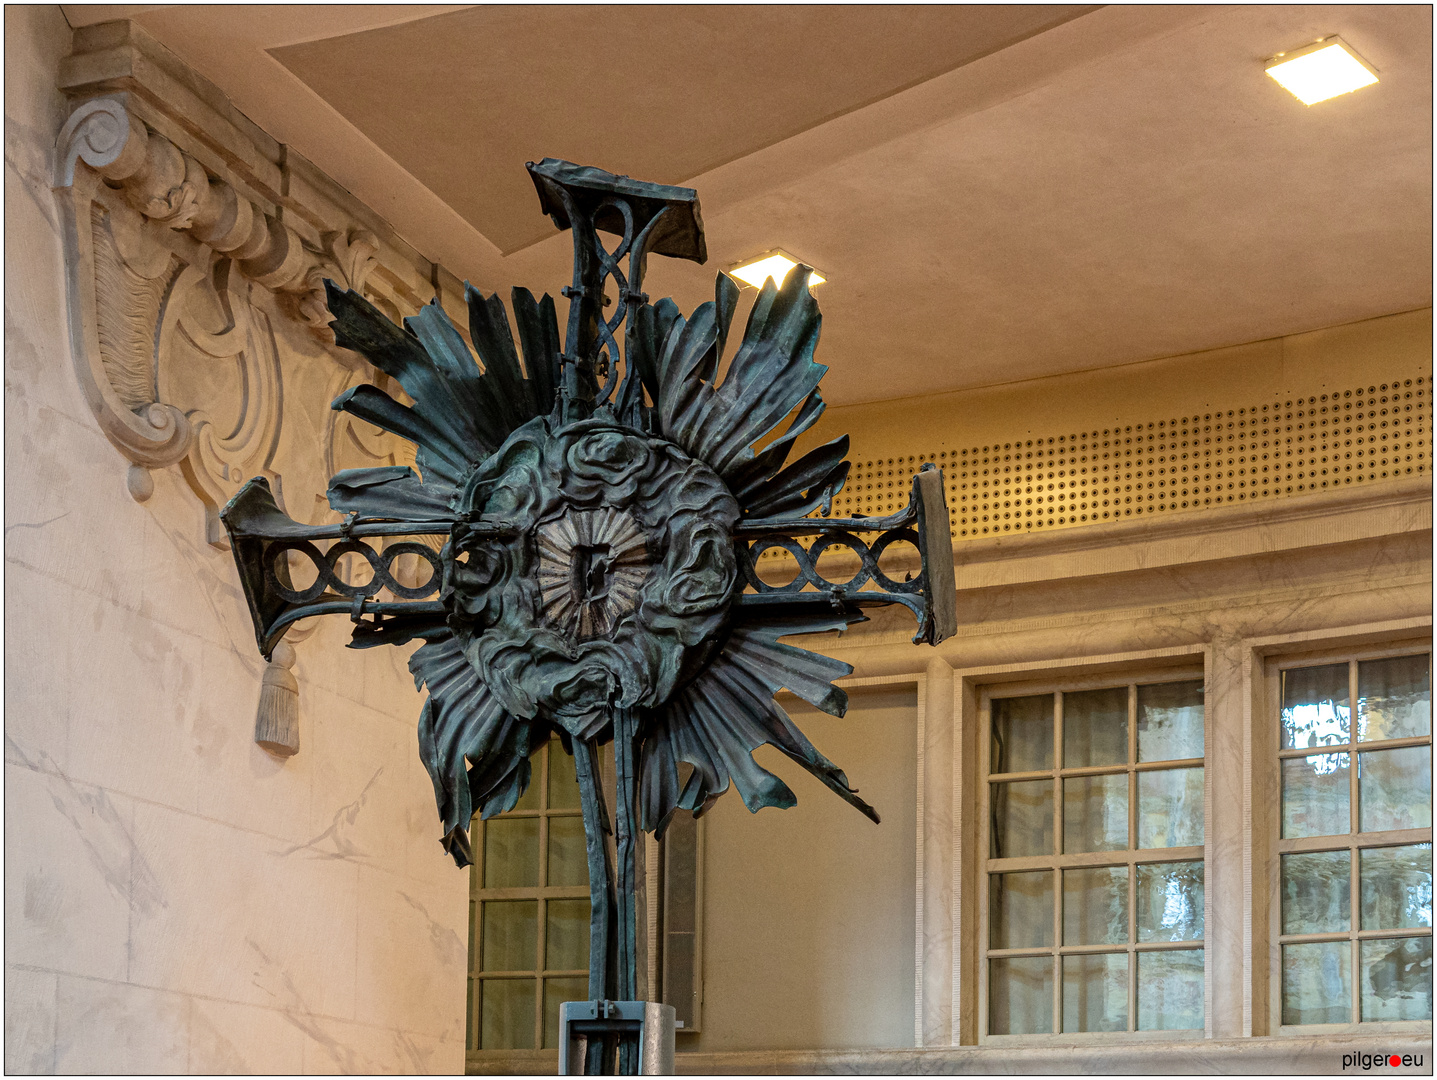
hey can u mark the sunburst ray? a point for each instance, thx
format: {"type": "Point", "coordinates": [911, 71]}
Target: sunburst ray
{"type": "Point", "coordinates": [460, 721]}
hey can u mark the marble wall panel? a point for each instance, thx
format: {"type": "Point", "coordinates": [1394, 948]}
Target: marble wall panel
{"type": "Point", "coordinates": [238, 782]}
{"type": "Point", "coordinates": [37, 704]}
{"type": "Point", "coordinates": [326, 664]}
{"type": "Point", "coordinates": [145, 1031]}
{"type": "Point", "coordinates": [70, 873]}
{"type": "Point", "coordinates": [333, 1046]}
{"type": "Point", "coordinates": [29, 1021]}
{"type": "Point", "coordinates": [67, 513]}
{"type": "Point", "coordinates": [141, 740]}
{"type": "Point", "coordinates": [390, 686]}
{"type": "Point", "coordinates": [414, 974]}
{"type": "Point", "coordinates": [357, 813]}
{"type": "Point", "coordinates": [242, 917]}
{"type": "Point", "coordinates": [230, 1039]}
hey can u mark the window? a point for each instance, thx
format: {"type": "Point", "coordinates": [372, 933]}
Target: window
{"type": "Point", "coordinates": [1353, 918]}
{"type": "Point", "coordinates": [1093, 914]}
{"type": "Point", "coordinates": [529, 912]}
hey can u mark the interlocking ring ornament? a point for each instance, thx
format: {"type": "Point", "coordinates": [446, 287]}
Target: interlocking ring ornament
{"type": "Point", "coordinates": [807, 559]}
{"type": "Point", "coordinates": [327, 575]}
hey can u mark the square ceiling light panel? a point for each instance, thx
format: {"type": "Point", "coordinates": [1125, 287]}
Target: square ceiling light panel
{"type": "Point", "coordinates": [771, 264]}
{"type": "Point", "coordinates": [1325, 69]}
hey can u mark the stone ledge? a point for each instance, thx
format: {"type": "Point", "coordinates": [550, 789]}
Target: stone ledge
{"type": "Point", "coordinates": [1236, 1056]}
{"type": "Point", "coordinates": [1274, 1055]}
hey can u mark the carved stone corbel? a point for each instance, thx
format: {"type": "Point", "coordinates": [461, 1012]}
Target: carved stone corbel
{"type": "Point", "coordinates": [164, 258]}
{"type": "Point", "coordinates": [196, 253]}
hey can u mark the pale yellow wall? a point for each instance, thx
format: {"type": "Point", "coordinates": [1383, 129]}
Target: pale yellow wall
{"type": "Point", "coordinates": [809, 911]}
{"type": "Point", "coordinates": [1340, 358]}
{"type": "Point", "coordinates": [177, 900]}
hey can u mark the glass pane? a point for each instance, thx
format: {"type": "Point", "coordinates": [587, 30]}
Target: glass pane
{"type": "Point", "coordinates": [1394, 698]}
{"type": "Point", "coordinates": [566, 939]}
{"type": "Point", "coordinates": [1022, 734]}
{"type": "Point", "coordinates": [1314, 706]}
{"type": "Point", "coordinates": [1020, 995]}
{"type": "Point", "coordinates": [1397, 887]}
{"type": "Point", "coordinates": [1394, 789]}
{"type": "Point", "coordinates": [1020, 910]}
{"type": "Point", "coordinates": [507, 1010]}
{"type": "Point", "coordinates": [1022, 819]}
{"type": "Point", "coordinates": [1170, 901]}
{"type": "Point", "coordinates": [1397, 979]}
{"type": "Point", "coordinates": [511, 935]}
{"type": "Point", "coordinates": [563, 786]}
{"type": "Point", "coordinates": [1170, 808]}
{"type": "Point", "coordinates": [1315, 796]}
{"type": "Point", "coordinates": [1095, 992]}
{"type": "Point", "coordinates": [568, 861]}
{"type": "Point", "coordinates": [1095, 728]}
{"type": "Point", "coordinates": [1095, 910]}
{"type": "Point", "coordinates": [511, 852]}
{"type": "Point", "coordinates": [556, 992]}
{"type": "Point", "coordinates": [1316, 892]}
{"type": "Point", "coordinates": [1170, 990]}
{"type": "Point", "coordinates": [1317, 983]}
{"type": "Point", "coordinates": [1095, 813]}
{"type": "Point", "coordinates": [1170, 721]}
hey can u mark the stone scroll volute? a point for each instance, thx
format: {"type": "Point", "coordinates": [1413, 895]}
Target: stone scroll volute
{"type": "Point", "coordinates": [199, 327]}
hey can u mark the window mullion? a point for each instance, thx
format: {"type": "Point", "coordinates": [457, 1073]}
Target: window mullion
{"type": "Point", "coordinates": [1058, 763]}
{"type": "Point", "coordinates": [1354, 814]}
{"type": "Point", "coordinates": [1354, 791]}
{"type": "Point", "coordinates": [1132, 858]}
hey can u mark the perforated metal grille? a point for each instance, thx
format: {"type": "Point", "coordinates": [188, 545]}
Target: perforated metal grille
{"type": "Point", "coordinates": [1211, 458]}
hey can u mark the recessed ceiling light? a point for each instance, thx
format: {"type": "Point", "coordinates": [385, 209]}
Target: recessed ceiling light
{"type": "Point", "coordinates": [1320, 71]}
{"type": "Point", "coordinates": [771, 264]}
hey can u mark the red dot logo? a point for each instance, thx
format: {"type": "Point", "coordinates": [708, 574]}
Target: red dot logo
{"type": "Point", "coordinates": [1394, 1061]}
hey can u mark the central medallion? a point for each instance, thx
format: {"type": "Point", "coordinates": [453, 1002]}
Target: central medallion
{"type": "Point", "coordinates": [620, 570]}
{"type": "Point", "coordinates": [592, 564]}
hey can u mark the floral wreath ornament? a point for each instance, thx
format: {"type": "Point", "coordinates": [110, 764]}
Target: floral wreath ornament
{"type": "Point", "coordinates": [603, 508]}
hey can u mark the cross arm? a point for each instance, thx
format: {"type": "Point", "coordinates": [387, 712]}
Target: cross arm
{"type": "Point", "coordinates": [930, 595]}
{"type": "Point", "coordinates": [262, 536]}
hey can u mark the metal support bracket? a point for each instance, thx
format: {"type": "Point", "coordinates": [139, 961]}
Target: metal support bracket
{"type": "Point", "coordinates": [645, 1026]}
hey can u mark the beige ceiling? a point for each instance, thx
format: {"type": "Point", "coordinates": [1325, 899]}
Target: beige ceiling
{"type": "Point", "coordinates": [994, 193]}
{"type": "Point", "coordinates": [714, 84]}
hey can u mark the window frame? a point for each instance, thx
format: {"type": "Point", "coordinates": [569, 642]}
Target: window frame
{"type": "Point", "coordinates": [1353, 841]}
{"type": "Point", "coordinates": [1130, 675]}
{"type": "Point", "coordinates": [542, 893]}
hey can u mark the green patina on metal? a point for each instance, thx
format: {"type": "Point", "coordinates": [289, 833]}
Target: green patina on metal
{"type": "Point", "coordinates": [604, 508]}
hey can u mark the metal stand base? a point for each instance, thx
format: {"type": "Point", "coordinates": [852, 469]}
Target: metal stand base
{"type": "Point", "coordinates": [593, 1033]}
